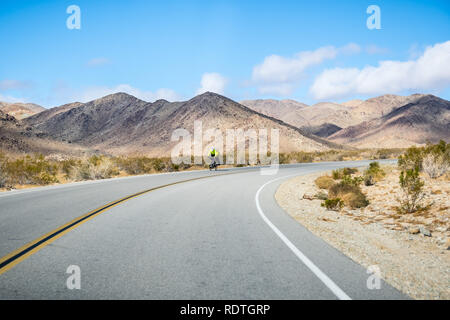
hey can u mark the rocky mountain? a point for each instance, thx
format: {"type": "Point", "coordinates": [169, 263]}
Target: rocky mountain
{"type": "Point", "coordinates": [48, 113]}
{"type": "Point", "coordinates": [16, 138]}
{"type": "Point", "coordinates": [122, 124]}
{"type": "Point", "coordinates": [425, 118]}
{"type": "Point", "coordinates": [324, 130]}
{"type": "Point", "coordinates": [20, 110]}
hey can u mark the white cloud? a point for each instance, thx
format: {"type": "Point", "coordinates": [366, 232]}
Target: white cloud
{"type": "Point", "coordinates": [278, 75]}
{"type": "Point", "coordinates": [429, 71]}
{"type": "Point", "coordinates": [11, 99]}
{"type": "Point", "coordinates": [96, 62]}
{"type": "Point", "coordinates": [98, 92]}
{"type": "Point", "coordinates": [213, 82]}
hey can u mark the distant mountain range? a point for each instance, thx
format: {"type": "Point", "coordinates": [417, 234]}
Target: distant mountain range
{"type": "Point", "coordinates": [425, 119]}
{"type": "Point", "coordinates": [386, 121]}
{"type": "Point", "coordinates": [17, 138]}
{"type": "Point", "coordinates": [341, 115]}
{"type": "Point", "coordinates": [123, 124]}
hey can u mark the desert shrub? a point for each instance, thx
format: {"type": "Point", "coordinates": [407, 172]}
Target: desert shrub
{"type": "Point", "coordinates": [336, 174]}
{"type": "Point", "coordinates": [435, 165]}
{"type": "Point", "coordinates": [355, 181]}
{"type": "Point", "coordinates": [44, 178]}
{"type": "Point", "coordinates": [373, 173]}
{"type": "Point", "coordinates": [341, 188]}
{"type": "Point", "coordinates": [31, 170]}
{"type": "Point", "coordinates": [321, 195]}
{"type": "Point", "coordinates": [324, 182]}
{"type": "Point", "coordinates": [411, 159]}
{"type": "Point", "coordinates": [158, 165]}
{"type": "Point", "coordinates": [333, 204]}
{"type": "Point", "coordinates": [355, 200]}
{"type": "Point", "coordinates": [368, 180]}
{"type": "Point", "coordinates": [67, 167]}
{"type": "Point", "coordinates": [349, 171]}
{"type": "Point", "coordinates": [412, 189]}
{"type": "Point", "coordinates": [436, 159]}
{"type": "Point", "coordinates": [3, 173]}
{"type": "Point", "coordinates": [95, 167]}
{"type": "Point", "coordinates": [350, 193]}
{"type": "Point", "coordinates": [341, 173]}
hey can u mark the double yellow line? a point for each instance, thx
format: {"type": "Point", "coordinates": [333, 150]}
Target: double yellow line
{"type": "Point", "coordinates": [17, 256]}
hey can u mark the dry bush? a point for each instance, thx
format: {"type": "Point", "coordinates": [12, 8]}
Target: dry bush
{"type": "Point", "coordinates": [350, 193]}
{"type": "Point", "coordinates": [355, 200]}
{"type": "Point", "coordinates": [324, 182]}
{"type": "Point", "coordinates": [94, 168]}
{"type": "Point", "coordinates": [435, 165]}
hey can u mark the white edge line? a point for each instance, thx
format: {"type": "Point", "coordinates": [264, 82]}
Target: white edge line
{"type": "Point", "coordinates": [322, 276]}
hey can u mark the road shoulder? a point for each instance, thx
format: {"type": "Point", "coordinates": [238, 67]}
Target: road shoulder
{"type": "Point", "coordinates": [412, 264]}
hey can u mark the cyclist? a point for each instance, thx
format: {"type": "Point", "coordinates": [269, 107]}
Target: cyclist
{"type": "Point", "coordinates": [213, 154]}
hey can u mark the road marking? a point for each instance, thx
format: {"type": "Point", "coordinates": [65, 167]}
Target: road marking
{"type": "Point", "coordinates": [12, 259]}
{"type": "Point", "coordinates": [322, 276]}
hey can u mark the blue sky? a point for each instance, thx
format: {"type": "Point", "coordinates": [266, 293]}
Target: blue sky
{"type": "Point", "coordinates": [304, 50]}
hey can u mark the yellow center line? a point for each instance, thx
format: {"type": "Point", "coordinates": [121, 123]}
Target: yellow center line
{"type": "Point", "coordinates": [15, 257]}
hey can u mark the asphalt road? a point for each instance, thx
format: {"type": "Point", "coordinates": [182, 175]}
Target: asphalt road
{"type": "Point", "coordinates": [218, 237]}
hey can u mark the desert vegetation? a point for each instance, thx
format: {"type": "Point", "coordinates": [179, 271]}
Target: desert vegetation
{"type": "Point", "coordinates": [33, 170]}
{"type": "Point", "coordinates": [343, 189]}
{"type": "Point", "coordinates": [340, 155]}
{"type": "Point", "coordinates": [433, 160]}
{"type": "Point", "coordinates": [22, 170]}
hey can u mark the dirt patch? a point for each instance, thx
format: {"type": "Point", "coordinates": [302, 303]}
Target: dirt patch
{"type": "Point", "coordinates": [416, 264]}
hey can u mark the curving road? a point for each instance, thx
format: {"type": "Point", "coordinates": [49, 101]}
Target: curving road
{"type": "Point", "coordinates": [219, 236]}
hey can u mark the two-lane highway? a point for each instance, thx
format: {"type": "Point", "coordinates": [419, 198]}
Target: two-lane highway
{"type": "Point", "coordinates": [202, 235]}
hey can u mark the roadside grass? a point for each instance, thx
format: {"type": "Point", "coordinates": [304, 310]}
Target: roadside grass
{"type": "Point", "coordinates": [28, 170]}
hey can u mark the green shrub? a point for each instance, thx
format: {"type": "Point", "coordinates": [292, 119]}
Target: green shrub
{"type": "Point", "coordinates": [333, 204]}
{"type": "Point", "coordinates": [411, 159]}
{"type": "Point", "coordinates": [412, 188]}
{"type": "Point", "coordinates": [373, 173]}
{"type": "Point", "coordinates": [31, 170]}
{"type": "Point", "coordinates": [356, 181]}
{"type": "Point", "coordinates": [341, 173]}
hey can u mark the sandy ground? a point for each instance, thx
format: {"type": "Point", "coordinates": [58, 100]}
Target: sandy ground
{"type": "Point", "coordinates": [416, 264]}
